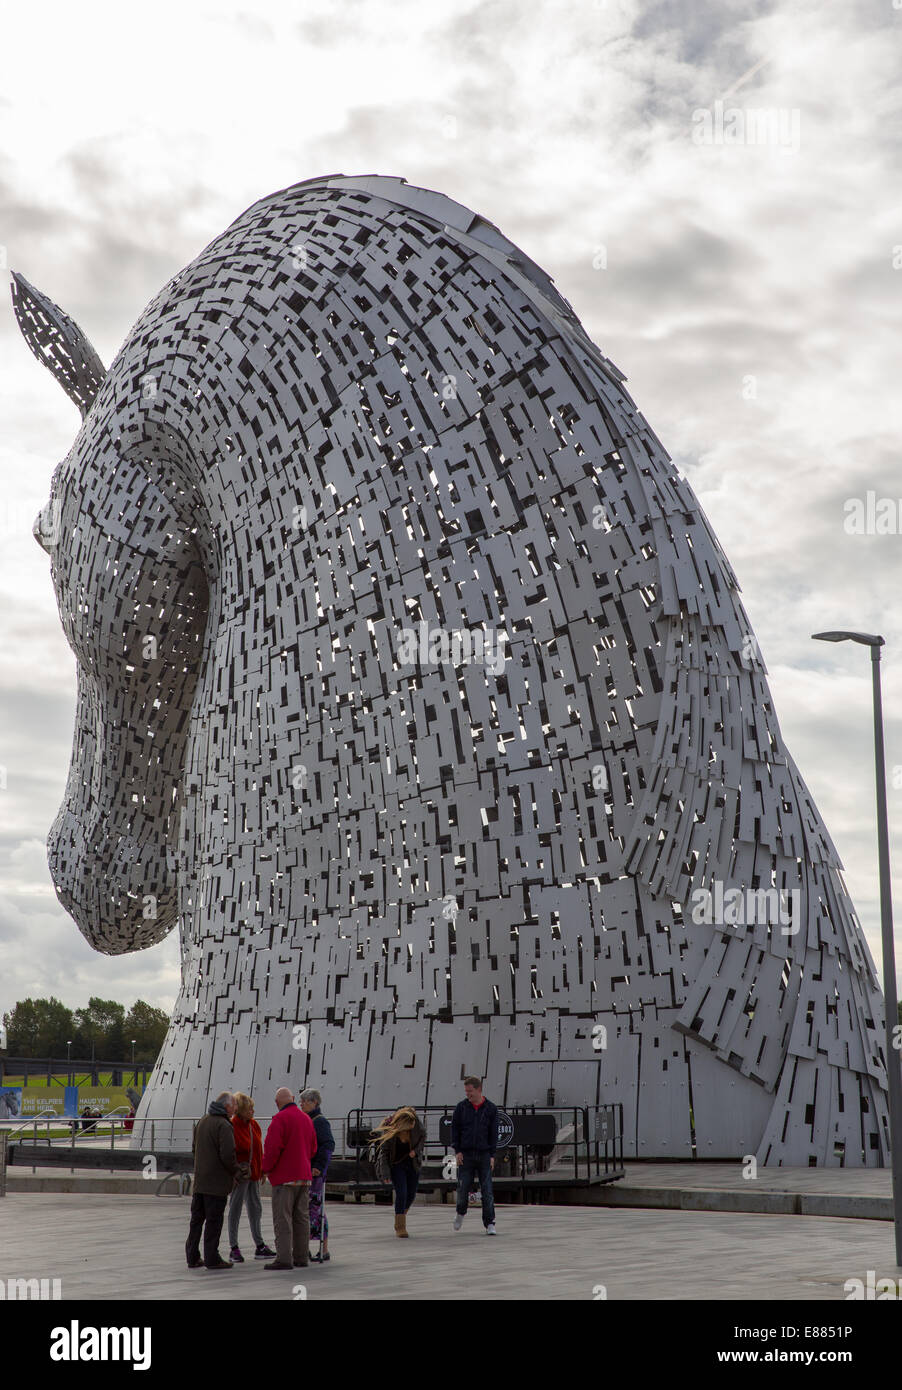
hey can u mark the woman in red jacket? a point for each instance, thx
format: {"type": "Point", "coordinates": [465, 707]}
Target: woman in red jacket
{"type": "Point", "coordinates": [248, 1151]}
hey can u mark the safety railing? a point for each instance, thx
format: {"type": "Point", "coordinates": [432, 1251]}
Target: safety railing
{"type": "Point", "coordinates": [79, 1127]}
{"type": "Point", "coordinates": [181, 1180]}
{"type": "Point", "coordinates": [30, 1120]}
{"type": "Point", "coordinates": [538, 1146]}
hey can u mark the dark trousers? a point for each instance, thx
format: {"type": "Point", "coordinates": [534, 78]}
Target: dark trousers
{"type": "Point", "coordinates": [478, 1164]}
{"type": "Point", "coordinates": [405, 1181]}
{"type": "Point", "coordinates": [209, 1210]}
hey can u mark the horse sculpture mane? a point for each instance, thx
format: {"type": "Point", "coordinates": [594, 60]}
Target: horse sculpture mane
{"type": "Point", "coordinates": [415, 687]}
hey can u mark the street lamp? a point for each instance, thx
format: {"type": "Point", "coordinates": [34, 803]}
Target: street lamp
{"type": "Point", "coordinates": [135, 1077]}
{"type": "Point", "coordinates": [69, 1061]}
{"type": "Point", "coordinates": [893, 1073]}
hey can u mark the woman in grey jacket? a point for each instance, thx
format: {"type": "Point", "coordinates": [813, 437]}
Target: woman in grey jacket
{"type": "Point", "coordinates": [400, 1149]}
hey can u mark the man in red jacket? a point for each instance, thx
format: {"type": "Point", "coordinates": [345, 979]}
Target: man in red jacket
{"type": "Point", "coordinates": [290, 1145]}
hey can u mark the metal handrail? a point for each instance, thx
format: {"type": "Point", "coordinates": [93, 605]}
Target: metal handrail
{"type": "Point", "coordinates": [32, 1120]}
{"type": "Point", "coordinates": [584, 1137]}
{"type": "Point", "coordinates": [109, 1116]}
{"type": "Point", "coordinates": [94, 1120]}
{"type": "Point", "coordinates": [184, 1182]}
{"type": "Point", "coordinates": [50, 1117]}
{"type": "Point", "coordinates": [595, 1141]}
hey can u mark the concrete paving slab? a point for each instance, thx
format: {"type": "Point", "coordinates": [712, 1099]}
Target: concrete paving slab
{"type": "Point", "coordinates": [874, 1182]}
{"type": "Point", "coordinates": [113, 1247]}
{"type": "Point", "coordinates": [861, 1193]}
{"type": "Point", "coordinates": [856, 1193]}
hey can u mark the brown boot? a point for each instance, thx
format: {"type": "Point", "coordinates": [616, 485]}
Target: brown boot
{"type": "Point", "coordinates": [401, 1226]}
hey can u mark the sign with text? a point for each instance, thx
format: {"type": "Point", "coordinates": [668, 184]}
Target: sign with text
{"type": "Point", "coordinates": [25, 1102]}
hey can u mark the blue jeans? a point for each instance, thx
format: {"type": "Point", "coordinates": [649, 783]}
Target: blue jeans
{"type": "Point", "coordinates": [480, 1165]}
{"type": "Point", "coordinates": [405, 1180]}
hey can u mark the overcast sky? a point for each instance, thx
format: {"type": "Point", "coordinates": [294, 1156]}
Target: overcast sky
{"type": "Point", "coordinates": [745, 276]}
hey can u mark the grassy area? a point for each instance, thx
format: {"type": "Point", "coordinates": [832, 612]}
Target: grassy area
{"type": "Point", "coordinates": [42, 1134]}
{"type": "Point", "coordinates": [45, 1132]}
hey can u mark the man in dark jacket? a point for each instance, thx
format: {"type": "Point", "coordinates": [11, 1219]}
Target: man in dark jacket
{"type": "Point", "coordinates": [311, 1100]}
{"type": "Point", "coordinates": [215, 1171]}
{"type": "Point", "coordinates": [474, 1137]}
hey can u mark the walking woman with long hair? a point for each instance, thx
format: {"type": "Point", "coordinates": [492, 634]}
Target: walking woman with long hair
{"type": "Point", "coordinates": [400, 1148]}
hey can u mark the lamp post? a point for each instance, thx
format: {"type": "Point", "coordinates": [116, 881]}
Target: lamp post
{"type": "Point", "coordinates": [69, 1062]}
{"type": "Point", "coordinates": [135, 1077]}
{"type": "Point", "coordinates": [893, 1073]}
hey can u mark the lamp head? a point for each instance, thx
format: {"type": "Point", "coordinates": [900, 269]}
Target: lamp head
{"type": "Point", "coordinates": [867, 639]}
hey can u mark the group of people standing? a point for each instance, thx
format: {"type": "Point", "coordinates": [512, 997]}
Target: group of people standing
{"type": "Point", "coordinates": [231, 1161]}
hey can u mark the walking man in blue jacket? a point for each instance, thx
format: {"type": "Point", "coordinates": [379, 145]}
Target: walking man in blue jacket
{"type": "Point", "coordinates": [474, 1136]}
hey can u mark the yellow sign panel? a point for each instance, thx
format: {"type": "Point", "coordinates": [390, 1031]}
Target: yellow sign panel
{"type": "Point", "coordinates": [38, 1099]}
{"type": "Point", "coordinates": [27, 1102]}
{"type": "Point", "coordinates": [104, 1099]}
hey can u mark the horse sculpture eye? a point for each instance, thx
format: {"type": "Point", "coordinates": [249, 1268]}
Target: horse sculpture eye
{"type": "Point", "coordinates": [416, 689]}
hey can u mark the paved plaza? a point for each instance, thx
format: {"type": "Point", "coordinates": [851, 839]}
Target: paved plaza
{"type": "Point", "coordinates": [724, 1187]}
{"type": "Point", "coordinates": [117, 1247]}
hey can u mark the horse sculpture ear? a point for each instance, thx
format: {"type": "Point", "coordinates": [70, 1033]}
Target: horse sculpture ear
{"type": "Point", "coordinates": [59, 343]}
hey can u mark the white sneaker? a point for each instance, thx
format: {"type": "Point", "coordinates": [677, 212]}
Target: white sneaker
{"type": "Point", "coordinates": [458, 1222]}
{"type": "Point", "coordinates": [490, 1230]}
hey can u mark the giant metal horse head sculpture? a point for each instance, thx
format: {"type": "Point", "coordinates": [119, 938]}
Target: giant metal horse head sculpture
{"type": "Point", "coordinates": [415, 687]}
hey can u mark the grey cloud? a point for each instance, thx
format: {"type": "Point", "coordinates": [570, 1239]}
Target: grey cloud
{"type": "Point", "coordinates": [699, 32]}
{"type": "Point", "coordinates": [45, 954]}
{"type": "Point", "coordinates": [696, 294]}
{"type": "Point", "coordinates": [106, 255]}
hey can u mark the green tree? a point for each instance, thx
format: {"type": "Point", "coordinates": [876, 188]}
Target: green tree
{"type": "Point", "coordinates": [38, 1028]}
{"type": "Point", "coordinates": [44, 1027]}
{"type": "Point", "coordinates": [148, 1027]}
{"type": "Point", "coordinates": [101, 1025]}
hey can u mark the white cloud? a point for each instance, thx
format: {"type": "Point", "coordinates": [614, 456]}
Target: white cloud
{"type": "Point", "coordinates": [749, 294]}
